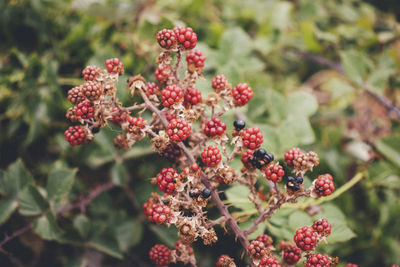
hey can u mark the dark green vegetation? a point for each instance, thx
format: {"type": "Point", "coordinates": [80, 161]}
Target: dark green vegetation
{"type": "Point", "coordinates": [322, 72]}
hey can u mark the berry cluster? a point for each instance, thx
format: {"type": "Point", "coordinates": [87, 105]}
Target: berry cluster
{"type": "Point", "coordinates": [323, 185]}
{"type": "Point", "coordinates": [115, 66]}
{"type": "Point", "coordinates": [257, 249]}
{"type": "Point", "coordinates": [270, 261]}
{"type": "Point", "coordinates": [322, 227]}
{"type": "Point", "coordinates": [211, 156]}
{"type": "Point", "coordinates": [242, 93]}
{"type": "Point", "coordinates": [156, 213]}
{"type": "Point", "coordinates": [274, 172]}
{"type": "Point", "coordinates": [214, 127]}
{"type": "Point", "coordinates": [192, 97]}
{"type": "Point", "coordinates": [195, 61]}
{"type": "Point", "coordinates": [75, 135]}
{"type": "Point", "coordinates": [160, 255]}
{"type": "Point", "coordinates": [252, 138]}
{"type": "Point", "coordinates": [167, 179]}
{"type": "Point", "coordinates": [317, 260]}
{"type": "Point", "coordinates": [291, 253]}
{"type": "Point", "coordinates": [305, 238]}
{"type": "Point", "coordinates": [178, 130]}
{"type": "Point", "coordinates": [171, 95]}
{"type": "Point", "coordinates": [219, 83]}
{"type": "Point", "coordinates": [294, 183]}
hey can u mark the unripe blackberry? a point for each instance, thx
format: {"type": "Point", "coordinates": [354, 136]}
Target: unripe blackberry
{"type": "Point", "coordinates": [305, 162]}
{"type": "Point", "coordinates": [322, 227]}
{"type": "Point", "coordinates": [76, 95]}
{"type": "Point", "coordinates": [90, 73]}
{"type": "Point", "coordinates": [257, 249]}
{"type": "Point", "coordinates": [172, 152]}
{"type": "Point", "coordinates": [136, 124]}
{"type": "Point", "coordinates": [211, 156]}
{"type": "Point", "coordinates": [219, 83]}
{"type": "Point", "coordinates": [178, 130]}
{"type": "Point", "coordinates": [118, 115]}
{"type": "Point", "coordinates": [225, 261]}
{"type": "Point", "coordinates": [242, 93]}
{"type": "Point", "coordinates": [160, 255]}
{"type": "Point", "coordinates": [266, 239]}
{"type": "Point", "coordinates": [305, 238]}
{"type": "Point", "coordinates": [170, 116]}
{"type": "Point", "coordinates": [171, 95]}
{"type": "Point", "coordinates": [114, 65]}
{"type": "Point", "coordinates": [162, 73]}
{"type": "Point", "coordinates": [152, 89]}
{"type": "Point", "coordinates": [92, 90]}
{"type": "Point", "coordinates": [317, 260]}
{"type": "Point", "coordinates": [195, 61]}
{"type": "Point", "coordinates": [274, 172]}
{"type": "Point", "coordinates": [166, 39]}
{"type": "Point", "coordinates": [214, 127]}
{"type": "Point", "coordinates": [187, 39]}
{"type": "Point", "coordinates": [252, 138]}
{"type": "Point", "coordinates": [167, 179]}
{"type": "Point", "coordinates": [291, 155]}
{"type": "Point", "coordinates": [158, 213]}
{"type": "Point", "coordinates": [239, 124]}
{"type": "Point", "coordinates": [192, 96]}
{"type": "Point", "coordinates": [247, 159]}
{"type": "Point", "coordinates": [323, 185]}
{"type": "Point", "coordinates": [75, 135]}
{"type": "Point", "coordinates": [269, 261]}
{"type": "Point", "coordinates": [291, 254]}
{"type": "Point", "coordinates": [355, 265]}
{"type": "Point", "coordinates": [84, 110]}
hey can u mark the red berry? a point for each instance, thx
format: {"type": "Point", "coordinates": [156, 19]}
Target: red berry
{"type": "Point", "coordinates": [219, 83]}
{"type": "Point", "coordinates": [317, 260]}
{"type": "Point", "coordinates": [257, 249]}
{"type": "Point", "coordinates": [162, 73]}
{"type": "Point", "coordinates": [172, 94]}
{"type": "Point", "coordinates": [323, 185]}
{"type": "Point", "coordinates": [242, 93]}
{"type": "Point", "coordinates": [266, 239]}
{"type": "Point", "coordinates": [84, 110]}
{"type": "Point", "coordinates": [225, 261]}
{"type": "Point", "coordinates": [114, 65]}
{"type": "Point", "coordinates": [214, 127]}
{"type": "Point", "coordinates": [118, 115]}
{"type": "Point", "coordinates": [291, 254]}
{"type": "Point", "coordinates": [92, 90]}
{"type": "Point", "coordinates": [152, 89]}
{"type": "Point", "coordinates": [178, 130]}
{"type": "Point", "coordinates": [305, 238]}
{"type": "Point", "coordinates": [291, 155]}
{"type": "Point", "coordinates": [169, 116]}
{"type": "Point", "coordinates": [90, 73]}
{"type": "Point", "coordinates": [167, 179]}
{"type": "Point", "coordinates": [211, 156]}
{"type": "Point", "coordinates": [192, 96]}
{"type": "Point", "coordinates": [270, 261]}
{"type": "Point", "coordinates": [246, 158]}
{"type": "Point", "coordinates": [195, 59]}
{"type": "Point", "coordinates": [160, 255]}
{"type": "Point", "coordinates": [355, 265]}
{"type": "Point", "coordinates": [76, 95]}
{"type": "Point", "coordinates": [274, 172]}
{"type": "Point", "coordinates": [158, 213]}
{"type": "Point", "coordinates": [75, 135]}
{"type": "Point", "coordinates": [252, 138]}
{"type": "Point", "coordinates": [187, 39]}
{"type": "Point", "coordinates": [135, 124]}
{"type": "Point", "coordinates": [172, 152]}
{"type": "Point", "coordinates": [322, 227]}
{"type": "Point", "coordinates": [166, 39]}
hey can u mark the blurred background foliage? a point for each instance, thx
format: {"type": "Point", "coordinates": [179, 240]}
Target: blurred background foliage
{"type": "Point", "coordinates": [324, 74]}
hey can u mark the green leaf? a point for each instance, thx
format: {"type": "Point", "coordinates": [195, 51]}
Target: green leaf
{"type": "Point", "coordinates": [299, 219]}
{"type": "Point", "coordinates": [46, 226]}
{"type": "Point", "coordinates": [281, 14]}
{"type": "Point", "coordinates": [271, 138]}
{"type": "Point", "coordinates": [168, 236]}
{"type": "Point", "coordinates": [60, 183]}
{"type": "Point", "coordinates": [106, 244]}
{"type": "Point", "coordinates": [129, 234]}
{"type": "Point", "coordinates": [390, 148]}
{"type": "Point", "coordinates": [118, 174]}
{"type": "Point", "coordinates": [82, 224]}
{"type": "Point", "coordinates": [356, 65]}
{"type": "Point", "coordinates": [238, 195]}
{"type": "Point", "coordinates": [7, 207]}
{"type": "Point", "coordinates": [295, 130]}
{"type": "Point", "coordinates": [302, 103]}
{"type": "Point", "coordinates": [308, 30]}
{"type": "Point", "coordinates": [31, 202]}
{"type": "Point", "coordinates": [259, 230]}
{"type": "Point", "coordinates": [15, 179]}
{"type": "Point", "coordinates": [276, 104]}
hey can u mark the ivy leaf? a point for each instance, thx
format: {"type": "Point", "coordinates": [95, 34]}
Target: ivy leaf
{"type": "Point", "coordinates": [60, 183]}
{"type": "Point", "coordinates": [31, 202]}
{"type": "Point", "coordinates": [46, 226]}
{"type": "Point", "coordinates": [15, 179]}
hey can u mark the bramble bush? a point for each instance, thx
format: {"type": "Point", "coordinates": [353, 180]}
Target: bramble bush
{"type": "Point", "coordinates": [234, 118]}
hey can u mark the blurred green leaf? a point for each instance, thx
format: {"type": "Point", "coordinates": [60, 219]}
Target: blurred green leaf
{"type": "Point", "coordinates": [7, 207]}
{"type": "Point", "coordinates": [356, 65]}
{"type": "Point", "coordinates": [46, 226]}
{"type": "Point", "coordinates": [59, 183]}
{"type": "Point", "coordinates": [106, 244]}
{"type": "Point", "coordinates": [82, 224]}
{"type": "Point", "coordinates": [390, 148]}
{"type": "Point", "coordinates": [238, 195]}
{"type": "Point", "coordinates": [129, 234]}
{"type": "Point", "coordinates": [302, 103]}
{"type": "Point", "coordinates": [118, 174]}
{"type": "Point", "coordinates": [31, 202]}
{"type": "Point", "coordinates": [15, 179]}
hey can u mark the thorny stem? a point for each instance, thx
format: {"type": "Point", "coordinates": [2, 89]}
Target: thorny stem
{"type": "Point", "coordinates": [204, 179]}
{"type": "Point", "coordinates": [82, 204]}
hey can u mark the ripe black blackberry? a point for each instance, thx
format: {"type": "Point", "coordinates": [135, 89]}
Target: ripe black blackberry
{"type": "Point", "coordinates": [172, 152]}
{"type": "Point", "coordinates": [239, 125]}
